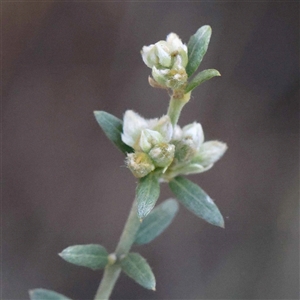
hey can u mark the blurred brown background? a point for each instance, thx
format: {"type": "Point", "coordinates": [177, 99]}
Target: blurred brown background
{"type": "Point", "coordinates": [65, 184]}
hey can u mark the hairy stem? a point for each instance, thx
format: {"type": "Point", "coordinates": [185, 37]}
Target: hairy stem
{"type": "Point", "coordinates": [112, 272]}
{"type": "Point", "coordinates": [175, 107]}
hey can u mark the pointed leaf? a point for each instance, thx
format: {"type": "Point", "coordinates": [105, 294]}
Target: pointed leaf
{"type": "Point", "coordinates": [147, 193]}
{"type": "Point", "coordinates": [197, 47]}
{"type": "Point", "coordinates": [200, 78]}
{"type": "Point", "coordinates": [43, 294]}
{"type": "Point", "coordinates": [112, 127]}
{"type": "Point", "coordinates": [91, 256]}
{"type": "Point", "coordinates": [196, 200]}
{"type": "Point", "coordinates": [156, 222]}
{"type": "Point", "coordinates": [137, 268]}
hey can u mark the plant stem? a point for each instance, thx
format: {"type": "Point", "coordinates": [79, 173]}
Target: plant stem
{"type": "Point", "coordinates": [175, 107]}
{"type": "Point", "coordinates": [112, 272]}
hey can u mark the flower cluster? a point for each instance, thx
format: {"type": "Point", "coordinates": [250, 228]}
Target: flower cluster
{"type": "Point", "coordinates": [150, 140]}
{"type": "Point", "coordinates": [192, 154]}
{"type": "Point", "coordinates": [172, 151]}
{"type": "Point", "coordinates": [160, 145]}
{"type": "Point", "coordinates": [168, 60]}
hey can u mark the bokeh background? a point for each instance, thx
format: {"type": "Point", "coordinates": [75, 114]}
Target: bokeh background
{"type": "Point", "coordinates": [64, 183]}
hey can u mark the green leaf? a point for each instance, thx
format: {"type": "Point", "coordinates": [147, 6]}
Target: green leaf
{"type": "Point", "coordinates": [147, 193]}
{"type": "Point", "coordinates": [200, 78]}
{"type": "Point", "coordinates": [197, 47]}
{"type": "Point", "coordinates": [42, 294]}
{"type": "Point", "coordinates": [137, 268]}
{"type": "Point", "coordinates": [196, 200]}
{"type": "Point", "coordinates": [156, 222]}
{"type": "Point", "coordinates": [91, 256]}
{"type": "Point", "coordinates": [113, 128]}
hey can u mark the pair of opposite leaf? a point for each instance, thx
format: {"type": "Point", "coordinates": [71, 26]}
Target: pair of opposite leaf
{"type": "Point", "coordinates": [96, 257]}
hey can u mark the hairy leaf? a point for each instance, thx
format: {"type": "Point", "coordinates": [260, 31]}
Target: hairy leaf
{"type": "Point", "coordinates": [91, 256]}
{"type": "Point", "coordinates": [147, 193]}
{"type": "Point", "coordinates": [197, 47]}
{"type": "Point", "coordinates": [112, 127]}
{"type": "Point", "coordinates": [156, 222]}
{"type": "Point", "coordinates": [137, 268]}
{"type": "Point", "coordinates": [196, 200]}
{"type": "Point", "coordinates": [200, 78]}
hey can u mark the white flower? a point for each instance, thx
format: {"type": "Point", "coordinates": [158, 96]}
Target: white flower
{"type": "Point", "coordinates": [208, 154]}
{"type": "Point", "coordinates": [168, 60]}
{"type": "Point", "coordinates": [178, 151]}
{"type": "Point", "coordinates": [188, 141]}
{"type": "Point", "coordinates": [143, 134]}
{"type": "Point", "coordinates": [192, 154]}
{"type": "Point", "coordinates": [162, 53]}
{"type": "Point", "coordinates": [195, 133]}
{"type": "Point", "coordinates": [150, 141]}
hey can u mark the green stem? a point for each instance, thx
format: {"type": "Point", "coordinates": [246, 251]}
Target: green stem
{"type": "Point", "coordinates": [112, 272]}
{"type": "Point", "coordinates": [175, 107]}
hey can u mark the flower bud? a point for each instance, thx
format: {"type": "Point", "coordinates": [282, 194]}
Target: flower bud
{"type": "Point", "coordinates": [162, 154]}
{"type": "Point", "coordinates": [162, 53]}
{"type": "Point", "coordinates": [139, 163]}
{"type": "Point", "coordinates": [168, 60]}
{"type": "Point", "coordinates": [149, 138]}
{"type": "Point", "coordinates": [184, 150]}
{"type": "Point", "coordinates": [143, 134]}
{"type": "Point", "coordinates": [173, 79]}
{"type": "Point", "coordinates": [193, 132]}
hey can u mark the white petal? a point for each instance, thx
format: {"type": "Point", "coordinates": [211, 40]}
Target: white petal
{"type": "Point", "coordinates": [210, 152]}
{"type": "Point", "coordinates": [149, 56]}
{"type": "Point", "coordinates": [191, 169]}
{"type": "Point", "coordinates": [174, 42]}
{"type": "Point", "coordinates": [160, 75]}
{"type": "Point", "coordinates": [149, 138]}
{"type": "Point", "coordinates": [175, 45]}
{"type": "Point", "coordinates": [194, 131]}
{"type": "Point", "coordinates": [163, 54]}
{"type": "Point", "coordinates": [184, 56]}
{"type": "Point", "coordinates": [177, 134]}
{"type": "Point", "coordinates": [164, 127]}
{"type": "Point", "coordinates": [133, 124]}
